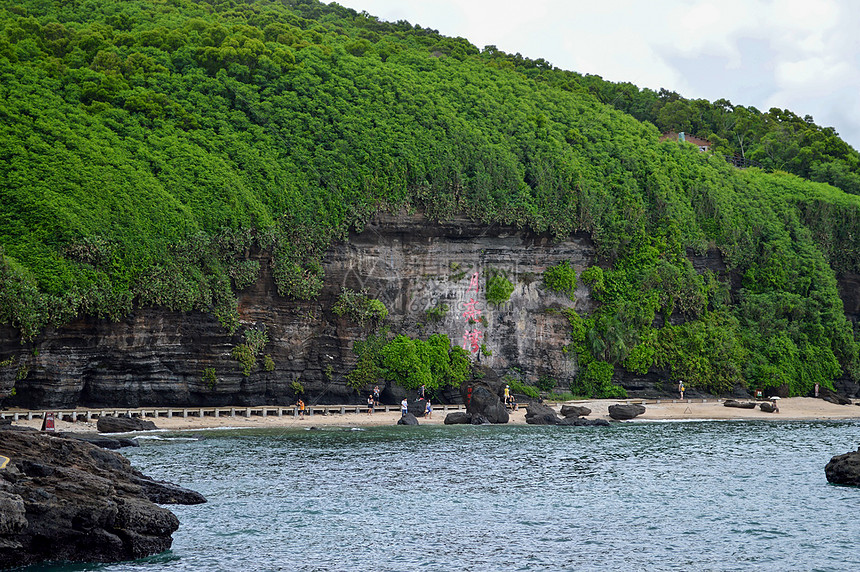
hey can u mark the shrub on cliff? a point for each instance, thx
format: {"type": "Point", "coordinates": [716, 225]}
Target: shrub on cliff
{"type": "Point", "coordinates": [561, 278]}
{"type": "Point", "coordinates": [499, 288]}
{"type": "Point", "coordinates": [360, 308]}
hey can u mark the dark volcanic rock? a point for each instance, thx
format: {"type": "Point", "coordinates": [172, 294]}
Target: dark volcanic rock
{"type": "Point", "coordinates": [844, 469]}
{"type": "Point", "coordinates": [101, 441]}
{"type": "Point", "coordinates": [540, 414]}
{"type": "Point", "coordinates": [739, 404]}
{"type": "Point", "coordinates": [580, 422]}
{"type": "Point", "coordinates": [124, 424]}
{"type": "Point", "coordinates": [767, 407]}
{"type": "Point", "coordinates": [407, 419]}
{"type": "Point", "coordinates": [458, 418]}
{"type": "Point", "coordinates": [486, 398]}
{"type": "Point", "coordinates": [64, 499]}
{"type": "Point", "coordinates": [417, 407]}
{"type": "Point", "coordinates": [833, 397]}
{"type": "Point", "coordinates": [626, 411]}
{"type": "Point", "coordinates": [479, 420]}
{"type": "Point", "coordinates": [575, 411]}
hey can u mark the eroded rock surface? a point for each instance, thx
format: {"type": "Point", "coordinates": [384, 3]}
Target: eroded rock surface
{"type": "Point", "coordinates": [844, 469]}
{"type": "Point", "coordinates": [155, 357]}
{"type": "Point", "coordinates": [622, 412]}
{"type": "Point", "coordinates": [110, 424]}
{"type": "Point", "coordinates": [64, 499]}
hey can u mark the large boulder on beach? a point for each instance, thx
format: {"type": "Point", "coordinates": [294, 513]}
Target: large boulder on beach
{"type": "Point", "coordinates": [407, 419]}
{"type": "Point", "coordinates": [417, 408]}
{"type": "Point", "coordinates": [739, 404]}
{"type": "Point", "coordinates": [844, 469]}
{"type": "Point", "coordinates": [110, 424]}
{"type": "Point", "coordinates": [487, 404]}
{"type": "Point", "coordinates": [458, 418]}
{"type": "Point", "coordinates": [767, 407]}
{"type": "Point", "coordinates": [540, 414]}
{"type": "Point", "coordinates": [575, 411]}
{"type": "Point", "coordinates": [67, 500]}
{"type": "Point", "coordinates": [626, 411]}
{"type": "Point", "coordinates": [833, 397]}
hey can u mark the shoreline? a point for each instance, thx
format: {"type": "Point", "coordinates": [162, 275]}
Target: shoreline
{"type": "Point", "coordinates": [792, 409]}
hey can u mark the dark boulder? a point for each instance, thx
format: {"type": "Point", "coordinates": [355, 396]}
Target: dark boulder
{"type": "Point", "coordinates": [65, 499]}
{"type": "Point", "coordinates": [479, 420]}
{"type": "Point", "coordinates": [391, 394]}
{"type": "Point", "coordinates": [484, 402]}
{"type": "Point", "coordinates": [124, 424]}
{"type": "Point", "coordinates": [833, 397]}
{"type": "Point", "coordinates": [103, 442]}
{"type": "Point", "coordinates": [573, 421]}
{"type": "Point", "coordinates": [540, 414]}
{"type": "Point", "coordinates": [844, 469]}
{"type": "Point", "coordinates": [458, 418]}
{"type": "Point", "coordinates": [575, 411]}
{"type": "Point", "coordinates": [417, 407]}
{"type": "Point", "coordinates": [739, 404]}
{"type": "Point", "coordinates": [407, 419]}
{"type": "Point", "coordinates": [767, 407]}
{"type": "Point", "coordinates": [621, 412]}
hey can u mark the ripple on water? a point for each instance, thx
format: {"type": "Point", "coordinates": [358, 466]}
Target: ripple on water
{"type": "Point", "coordinates": [656, 496]}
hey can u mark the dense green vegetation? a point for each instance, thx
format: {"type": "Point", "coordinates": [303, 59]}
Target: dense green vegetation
{"type": "Point", "coordinates": [774, 140]}
{"type": "Point", "coordinates": [561, 278]}
{"type": "Point", "coordinates": [409, 362]}
{"type": "Point", "coordinates": [147, 146]}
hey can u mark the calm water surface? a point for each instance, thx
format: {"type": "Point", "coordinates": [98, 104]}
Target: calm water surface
{"type": "Point", "coordinates": [635, 496]}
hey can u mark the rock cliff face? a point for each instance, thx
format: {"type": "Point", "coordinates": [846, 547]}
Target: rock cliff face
{"type": "Point", "coordinates": [63, 499]}
{"type": "Point", "coordinates": [410, 264]}
{"type": "Point", "coordinates": [155, 357]}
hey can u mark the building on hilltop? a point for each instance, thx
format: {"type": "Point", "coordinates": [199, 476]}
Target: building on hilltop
{"type": "Point", "coordinates": [702, 144]}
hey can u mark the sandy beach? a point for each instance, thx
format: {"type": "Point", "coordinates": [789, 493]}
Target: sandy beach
{"type": "Point", "coordinates": [796, 408]}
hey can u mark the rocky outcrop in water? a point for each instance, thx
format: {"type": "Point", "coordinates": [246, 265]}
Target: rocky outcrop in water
{"type": "Point", "coordinates": [844, 469]}
{"type": "Point", "coordinates": [626, 411]}
{"type": "Point", "coordinates": [109, 424]}
{"type": "Point", "coordinates": [407, 419]}
{"type": "Point", "coordinates": [64, 499]}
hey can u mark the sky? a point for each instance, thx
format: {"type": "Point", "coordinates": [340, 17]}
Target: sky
{"type": "Point", "coordinates": [801, 55]}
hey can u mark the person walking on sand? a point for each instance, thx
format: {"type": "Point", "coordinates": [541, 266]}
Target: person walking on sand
{"type": "Point", "coordinates": [370, 404]}
{"type": "Point", "coordinates": [681, 389]}
{"type": "Point", "coordinates": [404, 407]}
{"type": "Point", "coordinates": [301, 405]}
{"type": "Point", "coordinates": [428, 411]}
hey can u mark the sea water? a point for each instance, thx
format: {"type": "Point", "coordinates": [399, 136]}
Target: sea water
{"type": "Point", "coordinates": [709, 495]}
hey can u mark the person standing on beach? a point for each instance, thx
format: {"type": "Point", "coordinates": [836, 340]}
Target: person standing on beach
{"type": "Point", "coordinates": [816, 389]}
{"type": "Point", "coordinates": [376, 395]}
{"type": "Point", "coordinates": [428, 411]}
{"type": "Point", "coordinates": [681, 389]}
{"type": "Point", "coordinates": [404, 407]}
{"type": "Point", "coordinates": [301, 405]}
{"type": "Point", "coordinates": [370, 404]}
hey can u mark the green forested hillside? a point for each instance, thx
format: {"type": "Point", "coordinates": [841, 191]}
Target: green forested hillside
{"type": "Point", "coordinates": [146, 145]}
